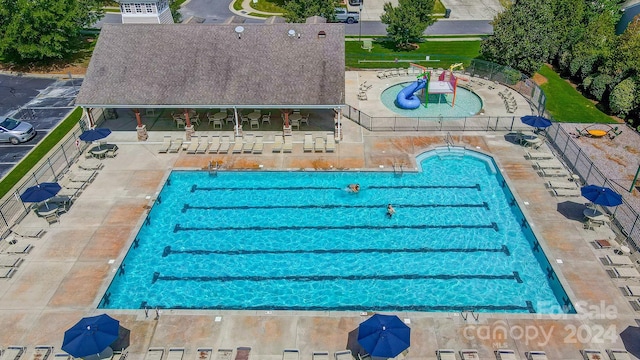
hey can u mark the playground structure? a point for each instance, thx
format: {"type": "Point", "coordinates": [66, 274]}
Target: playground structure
{"type": "Point", "coordinates": [446, 83]}
{"type": "Point", "coordinates": [596, 131]}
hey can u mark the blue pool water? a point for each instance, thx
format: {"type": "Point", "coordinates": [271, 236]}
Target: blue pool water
{"type": "Point", "coordinates": [467, 103]}
{"type": "Point", "coordinates": [300, 241]}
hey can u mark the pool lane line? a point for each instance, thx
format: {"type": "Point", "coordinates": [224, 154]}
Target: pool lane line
{"type": "Point", "coordinates": [195, 187]}
{"type": "Point", "coordinates": [397, 206]}
{"type": "Point", "coordinates": [310, 278]}
{"type": "Point", "coordinates": [169, 251]}
{"type": "Point", "coordinates": [359, 307]}
{"type": "Point", "coordinates": [493, 226]}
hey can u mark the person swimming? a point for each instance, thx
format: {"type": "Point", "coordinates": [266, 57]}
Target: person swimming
{"type": "Point", "coordinates": [390, 210]}
{"type": "Point", "coordinates": [354, 188]}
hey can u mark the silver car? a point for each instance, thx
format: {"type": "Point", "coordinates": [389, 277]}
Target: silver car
{"type": "Point", "coordinates": [16, 131]}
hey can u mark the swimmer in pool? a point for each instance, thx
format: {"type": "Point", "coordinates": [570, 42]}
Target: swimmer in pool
{"type": "Point", "coordinates": [354, 188]}
{"type": "Point", "coordinates": [390, 210]}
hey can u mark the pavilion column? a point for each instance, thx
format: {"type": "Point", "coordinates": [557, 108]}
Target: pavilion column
{"type": "Point", "coordinates": [90, 117]}
{"type": "Point", "coordinates": [188, 128]}
{"type": "Point", "coordinates": [141, 129]}
{"type": "Point", "coordinates": [338, 124]}
{"type": "Point", "coordinates": [286, 128]}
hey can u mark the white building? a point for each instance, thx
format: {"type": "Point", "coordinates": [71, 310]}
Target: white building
{"type": "Point", "coordinates": [145, 12]}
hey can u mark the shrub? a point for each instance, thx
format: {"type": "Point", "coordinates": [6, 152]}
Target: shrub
{"type": "Point", "coordinates": [622, 99]}
{"type": "Point", "coordinates": [600, 85]}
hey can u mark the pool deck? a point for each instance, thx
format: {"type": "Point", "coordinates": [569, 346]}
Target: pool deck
{"type": "Point", "coordinates": [63, 277]}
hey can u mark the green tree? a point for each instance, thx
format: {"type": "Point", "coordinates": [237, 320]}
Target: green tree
{"type": "Point", "coordinates": [600, 85]}
{"type": "Point", "coordinates": [174, 7]}
{"type": "Point", "coordinates": [297, 11]}
{"type": "Point", "coordinates": [36, 30]}
{"type": "Point", "coordinates": [627, 55]}
{"type": "Point", "coordinates": [624, 97]}
{"type": "Point", "coordinates": [406, 24]}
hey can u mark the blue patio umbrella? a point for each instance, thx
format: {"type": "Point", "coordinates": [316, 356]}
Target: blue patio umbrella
{"type": "Point", "coordinates": [631, 339]}
{"type": "Point", "coordinates": [536, 121]}
{"type": "Point", "coordinates": [95, 134]}
{"type": "Point", "coordinates": [41, 192]}
{"type": "Point", "coordinates": [90, 336]}
{"type": "Point", "coordinates": [601, 195]}
{"type": "Point", "coordinates": [384, 336]}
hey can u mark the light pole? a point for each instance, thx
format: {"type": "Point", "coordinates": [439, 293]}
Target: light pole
{"type": "Point", "coordinates": [360, 20]}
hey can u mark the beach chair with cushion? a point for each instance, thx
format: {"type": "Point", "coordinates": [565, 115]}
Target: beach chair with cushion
{"type": "Point", "coordinates": [320, 355]}
{"type": "Point", "coordinates": [618, 354]}
{"type": "Point", "coordinates": [6, 273]}
{"type": "Point", "coordinates": [62, 356]}
{"type": "Point", "coordinates": [287, 147]}
{"type": "Point", "coordinates": [290, 354]}
{"type": "Point", "coordinates": [590, 354]}
{"type": "Point", "coordinates": [42, 352]}
{"type": "Point", "coordinates": [318, 145]}
{"type": "Point", "coordinates": [554, 172]}
{"type": "Point", "coordinates": [10, 261]}
{"type": "Point", "coordinates": [225, 144]}
{"type": "Point", "coordinates": [19, 248]}
{"type": "Point", "coordinates": [65, 191]}
{"type": "Point", "coordinates": [243, 352]}
{"type": "Point", "coordinates": [176, 145]}
{"type": "Point", "coordinates": [27, 232]}
{"type": "Point", "coordinates": [204, 353]}
{"type": "Point", "coordinates": [224, 354]}
{"type": "Point", "coordinates": [538, 155]}
{"type": "Point", "coordinates": [13, 352]}
{"type": "Point", "coordinates": [446, 354]}
{"type": "Point", "coordinates": [277, 144]}
{"type": "Point", "coordinates": [248, 143]}
{"type": "Point", "coordinates": [67, 183]}
{"type": "Point", "coordinates": [90, 164]}
{"type": "Point", "coordinates": [237, 146]}
{"type": "Point", "coordinates": [505, 354]}
{"type": "Point", "coordinates": [175, 354]}
{"type": "Point", "coordinates": [214, 144]}
{"type": "Point", "coordinates": [154, 353]}
{"type": "Point", "coordinates": [536, 355]}
{"type": "Point", "coordinates": [616, 260]}
{"type": "Point", "coordinates": [82, 176]}
{"type": "Point", "coordinates": [631, 290]}
{"type": "Point", "coordinates": [549, 164]}
{"type": "Point", "coordinates": [623, 272]}
{"type": "Point", "coordinates": [343, 355]}
{"type": "Point", "coordinates": [203, 144]}
{"type": "Point", "coordinates": [193, 146]}
{"type": "Point", "coordinates": [566, 192]}
{"type": "Point", "coordinates": [258, 145]}
{"type": "Point", "coordinates": [166, 145]}
{"type": "Point", "coordinates": [561, 184]}
{"type": "Point", "coordinates": [308, 142]}
{"type": "Point", "coordinates": [331, 142]}
{"type": "Point", "coordinates": [469, 354]}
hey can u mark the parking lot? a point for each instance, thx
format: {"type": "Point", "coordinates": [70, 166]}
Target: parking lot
{"type": "Point", "coordinates": [42, 102]}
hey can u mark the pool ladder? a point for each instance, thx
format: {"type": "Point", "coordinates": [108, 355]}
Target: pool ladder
{"type": "Point", "coordinates": [398, 169]}
{"type": "Point", "coordinates": [213, 169]}
{"type": "Point", "coordinates": [449, 140]}
{"type": "Point", "coordinates": [465, 315]}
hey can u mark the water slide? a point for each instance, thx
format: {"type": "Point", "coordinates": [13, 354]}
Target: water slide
{"type": "Point", "coordinates": [406, 98]}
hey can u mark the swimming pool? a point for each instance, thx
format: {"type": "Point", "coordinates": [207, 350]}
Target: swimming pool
{"type": "Point", "coordinates": [300, 241]}
{"type": "Point", "coordinates": [467, 103]}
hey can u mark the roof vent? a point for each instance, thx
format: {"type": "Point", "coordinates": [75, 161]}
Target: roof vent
{"type": "Point", "coordinates": [291, 33]}
{"type": "Point", "coordinates": [239, 30]}
{"type": "Point", "coordinates": [322, 35]}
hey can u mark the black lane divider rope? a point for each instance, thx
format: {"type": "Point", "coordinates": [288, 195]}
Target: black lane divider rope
{"type": "Point", "coordinates": [330, 206]}
{"type": "Point", "coordinates": [178, 227]}
{"type": "Point", "coordinates": [195, 188]}
{"type": "Point", "coordinates": [359, 307]}
{"type": "Point", "coordinates": [168, 251]}
{"type": "Point", "coordinates": [307, 278]}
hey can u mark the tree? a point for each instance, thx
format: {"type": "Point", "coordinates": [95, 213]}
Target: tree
{"type": "Point", "coordinates": [297, 11]}
{"type": "Point", "coordinates": [627, 58]}
{"type": "Point", "coordinates": [623, 98]}
{"type": "Point", "coordinates": [600, 85]}
{"type": "Point", "coordinates": [36, 30]}
{"type": "Point", "coordinates": [407, 22]}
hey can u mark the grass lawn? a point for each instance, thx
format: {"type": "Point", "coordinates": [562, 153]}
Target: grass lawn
{"type": "Point", "coordinates": [384, 54]}
{"type": "Point", "coordinates": [566, 104]}
{"type": "Point", "coordinates": [39, 152]}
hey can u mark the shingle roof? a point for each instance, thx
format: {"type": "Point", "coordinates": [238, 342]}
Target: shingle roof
{"type": "Point", "coordinates": [202, 65]}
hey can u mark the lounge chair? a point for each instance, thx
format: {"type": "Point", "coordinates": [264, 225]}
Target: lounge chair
{"type": "Point", "coordinates": [554, 172]}
{"type": "Point", "coordinates": [318, 145]}
{"type": "Point", "coordinates": [175, 354]}
{"type": "Point", "coordinates": [258, 146]}
{"type": "Point", "coordinates": [19, 248]}
{"type": "Point", "coordinates": [277, 144]}
{"type": "Point", "coordinates": [632, 290]}
{"type": "Point", "coordinates": [237, 146]}
{"type": "Point", "coordinates": [536, 355]}
{"type": "Point", "coordinates": [62, 356]}
{"type": "Point", "coordinates": [242, 353]}
{"type": "Point", "coordinates": [166, 145]}
{"type": "Point", "coordinates": [343, 355]}
{"type": "Point", "coordinates": [90, 164]}
{"type": "Point", "coordinates": [469, 354]}
{"type": "Point", "coordinates": [193, 146]}
{"type": "Point", "coordinates": [82, 176]}
{"type": "Point", "coordinates": [505, 354]}
{"type": "Point", "coordinates": [154, 353]}
{"type": "Point", "coordinates": [308, 142]}
{"type": "Point", "coordinates": [214, 144]}
{"type": "Point", "coordinates": [367, 45]}
{"type": "Point", "coordinates": [10, 261]}
{"type": "Point", "coordinates": [446, 354]}
{"type": "Point", "coordinates": [26, 232]}
{"type": "Point", "coordinates": [176, 145]}
{"type": "Point", "coordinates": [6, 273]}
{"type": "Point", "coordinates": [549, 164]}
{"type": "Point", "coordinates": [320, 355]}
{"type": "Point", "coordinates": [290, 354]}
{"type": "Point", "coordinates": [42, 352]}
{"type": "Point", "coordinates": [621, 272]}
{"type": "Point", "coordinates": [618, 354]}
{"type": "Point", "coordinates": [538, 155]}
{"type": "Point", "coordinates": [566, 192]}
{"type": "Point", "coordinates": [203, 144]}
{"type": "Point", "coordinates": [224, 354]}
{"type": "Point", "coordinates": [204, 353]}
{"type": "Point", "coordinates": [288, 144]}
{"type": "Point", "coordinates": [616, 260]}
{"type": "Point", "coordinates": [561, 184]}
{"type": "Point", "coordinates": [225, 144]}
{"type": "Point", "coordinates": [65, 191]}
{"type": "Point", "coordinates": [66, 182]}
{"type": "Point", "coordinates": [247, 143]}
{"type": "Point", "coordinates": [590, 354]}
{"type": "Point", "coordinates": [13, 352]}
{"type": "Point", "coordinates": [331, 142]}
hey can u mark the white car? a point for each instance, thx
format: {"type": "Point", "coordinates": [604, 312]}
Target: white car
{"type": "Point", "coordinates": [16, 131]}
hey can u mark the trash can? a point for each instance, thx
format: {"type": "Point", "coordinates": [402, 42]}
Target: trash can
{"type": "Point", "coordinates": [447, 13]}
